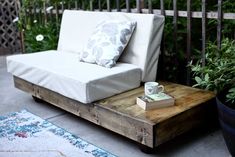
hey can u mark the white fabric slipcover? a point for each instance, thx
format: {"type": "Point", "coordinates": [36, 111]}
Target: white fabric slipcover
{"type": "Point", "coordinates": [64, 74]}
{"type": "Point", "coordinates": [143, 49]}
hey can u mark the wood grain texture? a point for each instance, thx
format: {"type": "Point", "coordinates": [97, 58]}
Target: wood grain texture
{"type": "Point", "coordinates": [149, 128]}
{"type": "Point", "coordinates": [136, 129]}
{"type": "Point", "coordinates": [203, 115]}
{"type": "Point", "coordinates": [186, 98]}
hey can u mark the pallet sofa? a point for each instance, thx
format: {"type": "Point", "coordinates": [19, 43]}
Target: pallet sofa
{"type": "Point", "coordinates": [106, 96]}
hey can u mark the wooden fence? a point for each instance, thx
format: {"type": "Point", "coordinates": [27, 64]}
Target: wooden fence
{"type": "Point", "coordinates": [146, 6]}
{"type": "Point", "coordinates": [9, 35]}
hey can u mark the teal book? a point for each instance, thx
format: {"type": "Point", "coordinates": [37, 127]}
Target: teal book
{"type": "Point", "coordinates": [155, 101]}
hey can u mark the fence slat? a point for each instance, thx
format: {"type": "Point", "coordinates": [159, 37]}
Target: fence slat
{"type": "Point", "coordinates": [62, 5]}
{"type": "Point", "coordinates": [108, 5]}
{"type": "Point", "coordinates": [150, 6]}
{"type": "Point", "coordinates": [83, 5]}
{"type": "Point", "coordinates": [175, 19]}
{"type": "Point", "coordinates": [219, 26]}
{"type": "Point", "coordinates": [40, 14]}
{"type": "Point", "coordinates": [189, 43]}
{"type": "Point", "coordinates": [91, 5]}
{"type": "Point", "coordinates": [69, 4]}
{"type": "Point", "coordinates": [138, 6]}
{"type": "Point", "coordinates": [34, 9]}
{"type": "Point", "coordinates": [100, 6]}
{"type": "Point", "coordinates": [162, 56]}
{"type": "Point", "coordinates": [163, 12]}
{"type": "Point", "coordinates": [21, 34]}
{"type": "Point", "coordinates": [76, 5]}
{"type": "Point", "coordinates": [50, 10]}
{"type": "Point", "coordinates": [57, 15]}
{"type": "Point", "coordinates": [118, 5]}
{"type": "Point", "coordinates": [30, 11]}
{"type": "Point", "coordinates": [45, 12]}
{"type": "Point", "coordinates": [203, 32]}
{"type": "Point", "coordinates": [128, 9]}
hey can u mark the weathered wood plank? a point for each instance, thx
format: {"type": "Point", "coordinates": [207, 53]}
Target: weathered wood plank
{"type": "Point", "coordinates": [133, 128]}
{"type": "Point", "coordinates": [149, 128]}
{"type": "Point", "coordinates": [181, 123]}
{"type": "Point", "coordinates": [186, 98]}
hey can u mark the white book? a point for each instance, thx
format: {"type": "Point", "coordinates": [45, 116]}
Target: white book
{"type": "Point", "coordinates": [155, 101]}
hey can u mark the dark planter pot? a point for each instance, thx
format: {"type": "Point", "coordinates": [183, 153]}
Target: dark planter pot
{"type": "Point", "coordinates": [227, 122]}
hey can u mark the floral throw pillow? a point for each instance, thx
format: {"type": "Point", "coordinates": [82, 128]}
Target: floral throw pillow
{"type": "Point", "coordinates": [107, 42]}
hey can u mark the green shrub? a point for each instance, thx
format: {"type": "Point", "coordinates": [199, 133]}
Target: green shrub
{"type": "Point", "coordinates": [49, 39]}
{"type": "Point", "coordinates": [218, 74]}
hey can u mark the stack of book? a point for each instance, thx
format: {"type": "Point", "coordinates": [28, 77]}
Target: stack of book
{"type": "Point", "coordinates": [154, 101]}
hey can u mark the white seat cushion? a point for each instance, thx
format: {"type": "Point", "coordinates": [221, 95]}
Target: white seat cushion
{"type": "Point", "coordinates": [64, 74]}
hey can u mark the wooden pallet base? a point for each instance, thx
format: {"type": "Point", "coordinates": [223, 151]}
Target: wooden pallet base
{"type": "Point", "coordinates": [120, 113]}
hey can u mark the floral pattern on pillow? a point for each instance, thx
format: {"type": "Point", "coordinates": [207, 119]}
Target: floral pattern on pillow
{"type": "Point", "coordinates": [107, 42]}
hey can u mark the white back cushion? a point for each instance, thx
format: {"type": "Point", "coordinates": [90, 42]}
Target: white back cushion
{"type": "Point", "coordinates": [143, 49]}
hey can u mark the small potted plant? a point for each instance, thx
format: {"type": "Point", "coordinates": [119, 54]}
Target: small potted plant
{"type": "Point", "coordinates": [218, 75]}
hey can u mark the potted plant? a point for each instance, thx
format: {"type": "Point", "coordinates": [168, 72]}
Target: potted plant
{"type": "Point", "coordinates": [218, 74]}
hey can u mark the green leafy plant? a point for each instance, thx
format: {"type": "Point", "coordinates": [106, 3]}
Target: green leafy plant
{"type": "Point", "coordinates": [218, 74]}
{"type": "Point", "coordinates": [39, 34]}
{"type": "Point", "coordinates": [40, 37]}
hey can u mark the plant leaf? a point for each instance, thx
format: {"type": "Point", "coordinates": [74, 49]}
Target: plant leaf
{"type": "Point", "coordinates": [198, 79]}
{"type": "Point", "coordinates": [207, 77]}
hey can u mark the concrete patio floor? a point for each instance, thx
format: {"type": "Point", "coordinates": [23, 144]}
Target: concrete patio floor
{"type": "Point", "coordinates": [207, 143]}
